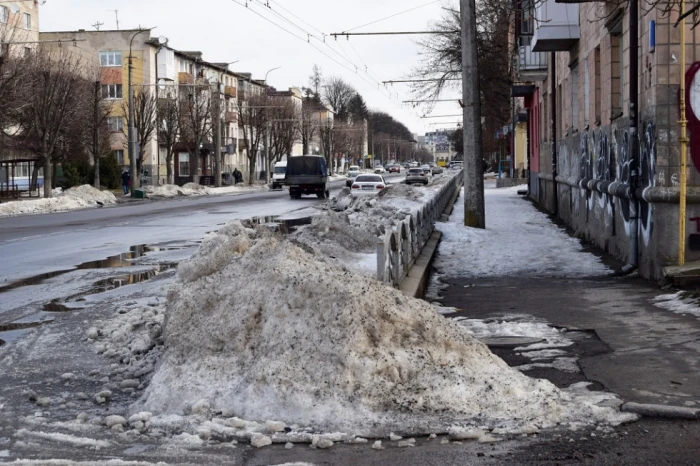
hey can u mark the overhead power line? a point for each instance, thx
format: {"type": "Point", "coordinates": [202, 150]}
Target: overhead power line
{"type": "Point", "coordinates": [419, 80]}
{"type": "Point", "coordinates": [390, 33]}
{"type": "Point", "coordinates": [395, 15]}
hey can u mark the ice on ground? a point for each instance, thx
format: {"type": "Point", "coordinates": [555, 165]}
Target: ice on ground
{"type": "Point", "coordinates": [518, 240]}
{"type": "Point", "coordinates": [193, 189]}
{"type": "Point", "coordinates": [264, 329]}
{"type": "Point", "coordinates": [680, 303]}
{"type": "Point", "coordinates": [79, 197]}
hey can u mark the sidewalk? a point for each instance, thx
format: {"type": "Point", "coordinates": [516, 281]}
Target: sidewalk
{"type": "Point", "coordinates": [524, 276]}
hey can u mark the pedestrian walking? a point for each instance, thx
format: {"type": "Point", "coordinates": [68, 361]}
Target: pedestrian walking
{"type": "Point", "coordinates": [126, 181]}
{"type": "Point", "coordinates": [237, 176]}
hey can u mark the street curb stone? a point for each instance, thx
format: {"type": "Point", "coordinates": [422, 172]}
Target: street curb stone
{"type": "Point", "coordinates": [656, 410]}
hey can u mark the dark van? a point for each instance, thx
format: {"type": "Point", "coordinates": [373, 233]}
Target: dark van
{"type": "Point", "coordinates": [307, 174]}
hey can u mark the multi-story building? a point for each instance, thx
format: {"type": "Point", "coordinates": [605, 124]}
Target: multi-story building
{"type": "Point", "coordinates": [164, 72]}
{"type": "Point", "coordinates": [19, 26]}
{"type": "Point", "coordinates": [439, 144]}
{"type": "Point", "coordinates": [600, 85]}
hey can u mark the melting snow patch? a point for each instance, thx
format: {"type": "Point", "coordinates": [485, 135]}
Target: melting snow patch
{"type": "Point", "coordinates": [538, 247]}
{"type": "Point", "coordinates": [63, 438]}
{"type": "Point", "coordinates": [680, 303]}
{"type": "Point", "coordinates": [264, 329]}
{"type": "Point", "coordinates": [79, 197]}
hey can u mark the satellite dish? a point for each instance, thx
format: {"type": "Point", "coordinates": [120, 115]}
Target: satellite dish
{"type": "Point", "coordinates": [162, 40]}
{"type": "Point", "coordinates": [14, 8]}
{"type": "Point", "coordinates": [161, 84]}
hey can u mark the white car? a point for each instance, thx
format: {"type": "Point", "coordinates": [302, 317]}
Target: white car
{"type": "Point", "coordinates": [427, 170]}
{"type": "Point", "coordinates": [379, 169]}
{"type": "Point", "coordinates": [353, 171]}
{"type": "Point", "coordinates": [367, 185]}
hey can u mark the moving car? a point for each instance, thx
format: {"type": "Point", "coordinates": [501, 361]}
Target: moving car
{"type": "Point", "coordinates": [379, 169]}
{"type": "Point", "coordinates": [278, 175]}
{"type": "Point", "coordinates": [367, 185]}
{"type": "Point", "coordinates": [427, 170]}
{"type": "Point", "coordinates": [395, 168]}
{"type": "Point", "coordinates": [437, 170]}
{"type": "Point", "coordinates": [416, 175]}
{"type": "Point", "coordinates": [456, 165]}
{"type": "Point", "coordinates": [307, 174]}
{"type": "Point", "coordinates": [353, 171]}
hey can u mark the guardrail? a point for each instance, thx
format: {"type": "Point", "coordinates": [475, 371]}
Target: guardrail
{"type": "Point", "coordinates": [398, 249]}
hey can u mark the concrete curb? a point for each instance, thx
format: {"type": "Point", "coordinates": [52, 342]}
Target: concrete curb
{"type": "Point", "coordinates": [665, 411]}
{"type": "Point", "coordinates": [450, 205]}
{"type": "Point", "coordinates": [416, 280]}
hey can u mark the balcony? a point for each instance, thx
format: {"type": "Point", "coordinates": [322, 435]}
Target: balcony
{"type": "Point", "coordinates": [230, 91]}
{"type": "Point", "coordinates": [531, 66]}
{"type": "Point", "coordinates": [231, 117]}
{"type": "Point", "coordinates": [185, 78]}
{"type": "Point", "coordinates": [242, 95]}
{"type": "Point", "coordinates": [556, 26]}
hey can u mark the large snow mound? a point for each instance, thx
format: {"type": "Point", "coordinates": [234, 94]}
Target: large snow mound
{"type": "Point", "coordinates": [194, 189]}
{"type": "Point", "coordinates": [79, 197]}
{"type": "Point", "coordinates": [265, 329]}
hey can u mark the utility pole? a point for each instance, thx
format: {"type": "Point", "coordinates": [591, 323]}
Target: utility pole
{"type": "Point", "coordinates": [474, 210]}
{"type": "Point", "coordinates": [217, 136]}
{"type": "Point", "coordinates": [132, 130]}
{"type": "Point", "coordinates": [95, 133]}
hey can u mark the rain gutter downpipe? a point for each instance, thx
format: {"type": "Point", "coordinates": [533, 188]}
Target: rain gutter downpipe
{"type": "Point", "coordinates": [633, 70]}
{"type": "Point", "coordinates": [555, 194]}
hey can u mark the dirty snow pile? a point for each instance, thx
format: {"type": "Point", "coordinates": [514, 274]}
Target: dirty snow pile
{"type": "Point", "coordinates": [79, 197]}
{"type": "Point", "coordinates": [262, 329]}
{"type": "Point", "coordinates": [194, 189]}
{"type": "Point", "coordinates": [518, 240]}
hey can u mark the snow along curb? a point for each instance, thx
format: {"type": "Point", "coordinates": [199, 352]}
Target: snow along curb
{"type": "Point", "coordinates": [666, 411]}
{"type": "Point", "coordinates": [415, 282]}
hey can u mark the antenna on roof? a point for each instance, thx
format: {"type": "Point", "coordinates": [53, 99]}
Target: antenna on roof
{"type": "Point", "coordinates": [97, 25]}
{"type": "Point", "coordinates": [116, 14]}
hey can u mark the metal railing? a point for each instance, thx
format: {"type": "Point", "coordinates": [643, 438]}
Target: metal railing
{"type": "Point", "coordinates": [398, 249]}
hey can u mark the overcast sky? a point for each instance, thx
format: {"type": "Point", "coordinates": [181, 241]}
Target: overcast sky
{"type": "Point", "coordinates": [225, 30]}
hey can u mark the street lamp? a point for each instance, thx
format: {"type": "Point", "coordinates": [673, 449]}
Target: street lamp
{"type": "Point", "coordinates": [132, 149]}
{"type": "Point", "coordinates": [270, 71]}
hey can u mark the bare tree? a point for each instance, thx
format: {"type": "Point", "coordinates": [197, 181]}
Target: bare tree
{"type": "Point", "coordinates": [315, 80]}
{"type": "Point", "coordinates": [309, 123]}
{"type": "Point", "coordinates": [54, 99]}
{"type": "Point", "coordinates": [95, 130]}
{"type": "Point", "coordinates": [145, 112]}
{"type": "Point", "coordinates": [169, 120]}
{"type": "Point", "coordinates": [326, 133]}
{"type": "Point", "coordinates": [284, 127]}
{"type": "Point", "coordinates": [252, 116]}
{"type": "Point", "coordinates": [196, 125]}
{"type": "Point", "coordinates": [337, 94]}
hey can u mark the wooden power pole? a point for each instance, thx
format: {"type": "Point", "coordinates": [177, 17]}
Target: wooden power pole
{"type": "Point", "coordinates": [474, 210]}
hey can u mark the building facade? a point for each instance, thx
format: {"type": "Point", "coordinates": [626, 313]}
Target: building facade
{"type": "Point", "coordinates": [600, 84]}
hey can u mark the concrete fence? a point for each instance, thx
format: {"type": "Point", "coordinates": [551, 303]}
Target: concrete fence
{"type": "Point", "coordinates": [398, 249]}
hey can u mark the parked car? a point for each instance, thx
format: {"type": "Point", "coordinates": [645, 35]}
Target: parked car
{"type": "Point", "coordinates": [367, 185]}
{"type": "Point", "coordinates": [416, 175]}
{"type": "Point", "coordinates": [353, 171]}
{"type": "Point", "coordinates": [395, 168]}
{"type": "Point", "coordinates": [437, 170]}
{"type": "Point", "coordinates": [456, 165]}
{"type": "Point", "coordinates": [427, 170]}
{"type": "Point", "coordinates": [379, 169]}
{"type": "Point", "coordinates": [406, 165]}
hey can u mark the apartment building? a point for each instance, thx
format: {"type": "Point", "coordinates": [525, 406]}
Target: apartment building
{"type": "Point", "coordinates": [19, 26]}
{"type": "Point", "coordinates": [599, 84]}
{"type": "Point", "coordinates": [166, 73]}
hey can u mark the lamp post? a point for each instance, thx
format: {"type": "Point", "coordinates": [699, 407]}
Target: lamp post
{"type": "Point", "coordinates": [268, 139]}
{"type": "Point", "coordinates": [162, 43]}
{"type": "Point", "coordinates": [132, 130]}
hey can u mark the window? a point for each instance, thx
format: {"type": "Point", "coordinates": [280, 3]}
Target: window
{"type": "Point", "coordinates": [183, 67]}
{"type": "Point", "coordinates": [119, 155]}
{"type": "Point", "coordinates": [616, 64]}
{"type": "Point", "coordinates": [586, 92]}
{"type": "Point", "coordinates": [27, 21]}
{"type": "Point", "coordinates": [27, 51]}
{"type": "Point", "coordinates": [112, 58]}
{"type": "Point", "coordinates": [184, 163]}
{"type": "Point", "coordinates": [111, 91]}
{"type": "Point", "coordinates": [115, 124]}
{"type": "Point", "coordinates": [574, 97]}
{"type": "Point", "coordinates": [596, 77]}
{"type": "Point", "coordinates": [3, 14]}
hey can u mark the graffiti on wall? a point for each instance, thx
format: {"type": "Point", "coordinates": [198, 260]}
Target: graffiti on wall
{"type": "Point", "coordinates": [647, 175]}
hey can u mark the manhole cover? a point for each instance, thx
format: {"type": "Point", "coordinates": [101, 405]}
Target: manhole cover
{"type": "Point", "coordinates": [510, 342]}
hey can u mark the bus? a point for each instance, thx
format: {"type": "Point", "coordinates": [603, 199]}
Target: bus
{"type": "Point", "coordinates": [442, 162]}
